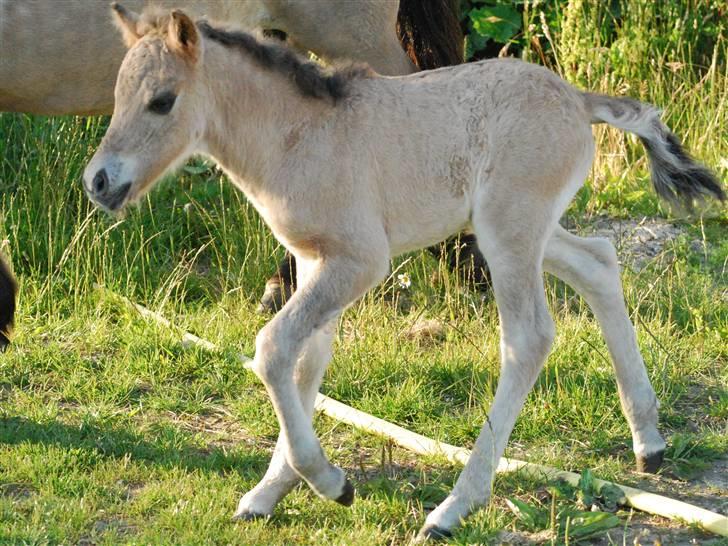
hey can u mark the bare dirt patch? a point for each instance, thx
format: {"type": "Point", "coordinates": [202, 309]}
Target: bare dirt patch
{"type": "Point", "coordinates": [426, 331]}
{"type": "Point", "coordinates": [220, 428]}
{"type": "Point", "coordinates": [116, 526]}
{"type": "Point", "coordinates": [638, 241]}
{"type": "Point", "coordinates": [16, 491]}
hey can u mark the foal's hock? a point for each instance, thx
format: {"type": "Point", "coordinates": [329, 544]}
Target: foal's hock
{"type": "Point", "coordinates": [327, 158]}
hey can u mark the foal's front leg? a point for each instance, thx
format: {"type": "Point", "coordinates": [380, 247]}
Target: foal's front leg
{"type": "Point", "coordinates": [280, 478]}
{"type": "Point", "coordinates": [332, 285]}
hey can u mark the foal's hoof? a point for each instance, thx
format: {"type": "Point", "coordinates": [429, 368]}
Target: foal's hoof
{"type": "Point", "coordinates": [651, 463]}
{"type": "Point", "coordinates": [432, 533]}
{"type": "Point", "coordinates": [347, 497]}
{"type": "Point", "coordinates": [276, 294]}
{"type": "Point", "coordinates": [247, 515]}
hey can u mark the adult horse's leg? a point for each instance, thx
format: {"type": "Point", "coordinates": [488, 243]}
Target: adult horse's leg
{"type": "Point", "coordinates": [527, 331]}
{"type": "Point", "coordinates": [429, 37]}
{"type": "Point", "coordinates": [8, 290]}
{"type": "Point", "coordinates": [332, 284]}
{"type": "Point", "coordinates": [462, 256]}
{"type": "Point", "coordinates": [280, 286]}
{"type": "Point", "coordinates": [590, 267]}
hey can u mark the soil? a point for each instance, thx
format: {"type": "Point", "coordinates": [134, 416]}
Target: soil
{"type": "Point", "coordinates": [638, 242]}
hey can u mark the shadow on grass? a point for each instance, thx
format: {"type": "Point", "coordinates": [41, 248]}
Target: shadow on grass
{"type": "Point", "coordinates": [167, 449]}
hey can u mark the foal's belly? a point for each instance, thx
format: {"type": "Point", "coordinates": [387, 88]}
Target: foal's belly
{"type": "Point", "coordinates": [423, 228]}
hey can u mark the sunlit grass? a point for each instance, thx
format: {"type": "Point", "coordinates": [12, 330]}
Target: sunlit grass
{"type": "Point", "coordinates": [111, 432]}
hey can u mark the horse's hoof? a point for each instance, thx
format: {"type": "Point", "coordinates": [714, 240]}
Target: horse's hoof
{"type": "Point", "coordinates": [651, 463]}
{"type": "Point", "coordinates": [433, 533]}
{"type": "Point", "coordinates": [246, 515]}
{"type": "Point", "coordinates": [276, 294]}
{"type": "Point", "coordinates": [347, 497]}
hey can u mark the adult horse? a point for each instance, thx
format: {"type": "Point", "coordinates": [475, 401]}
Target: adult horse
{"type": "Point", "coordinates": [49, 67]}
{"type": "Point", "coordinates": [509, 144]}
{"type": "Point", "coordinates": [7, 303]}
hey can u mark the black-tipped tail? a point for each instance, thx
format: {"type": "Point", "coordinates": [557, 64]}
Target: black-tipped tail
{"type": "Point", "coordinates": [8, 290]}
{"type": "Point", "coordinates": [676, 176]}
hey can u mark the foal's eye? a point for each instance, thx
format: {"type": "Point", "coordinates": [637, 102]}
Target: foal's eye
{"type": "Point", "coordinates": [162, 104]}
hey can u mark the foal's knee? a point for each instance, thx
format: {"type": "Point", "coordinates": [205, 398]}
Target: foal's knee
{"type": "Point", "coordinates": [271, 347]}
{"type": "Point", "coordinates": [603, 251]}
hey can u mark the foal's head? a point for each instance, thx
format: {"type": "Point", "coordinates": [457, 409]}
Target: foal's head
{"type": "Point", "coordinates": [156, 122]}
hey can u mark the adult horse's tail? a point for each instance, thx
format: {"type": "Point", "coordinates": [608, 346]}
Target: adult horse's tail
{"type": "Point", "coordinates": [430, 32]}
{"type": "Point", "coordinates": [7, 302]}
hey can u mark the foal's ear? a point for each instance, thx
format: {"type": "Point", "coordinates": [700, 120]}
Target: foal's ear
{"type": "Point", "coordinates": [127, 23]}
{"type": "Point", "coordinates": [182, 35]}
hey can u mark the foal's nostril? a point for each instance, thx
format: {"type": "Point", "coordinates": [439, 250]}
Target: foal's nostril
{"type": "Point", "coordinates": [100, 182]}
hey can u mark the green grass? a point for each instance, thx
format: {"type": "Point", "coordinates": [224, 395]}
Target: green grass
{"type": "Point", "coordinates": [112, 432]}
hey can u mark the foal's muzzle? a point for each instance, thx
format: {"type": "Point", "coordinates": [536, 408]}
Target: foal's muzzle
{"type": "Point", "coordinates": [102, 193]}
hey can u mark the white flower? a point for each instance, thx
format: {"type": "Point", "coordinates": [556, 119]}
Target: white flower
{"type": "Point", "coordinates": [404, 281]}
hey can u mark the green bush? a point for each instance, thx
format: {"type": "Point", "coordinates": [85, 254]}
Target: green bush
{"type": "Point", "coordinates": [618, 35]}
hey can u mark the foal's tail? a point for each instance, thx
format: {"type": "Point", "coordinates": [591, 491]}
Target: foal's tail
{"type": "Point", "coordinates": [8, 289]}
{"type": "Point", "coordinates": [430, 32]}
{"type": "Point", "coordinates": [676, 176]}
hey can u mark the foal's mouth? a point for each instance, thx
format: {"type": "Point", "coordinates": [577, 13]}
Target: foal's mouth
{"type": "Point", "coordinates": [116, 200]}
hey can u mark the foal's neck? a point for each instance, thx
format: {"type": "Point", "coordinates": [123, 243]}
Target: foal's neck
{"type": "Point", "coordinates": [250, 110]}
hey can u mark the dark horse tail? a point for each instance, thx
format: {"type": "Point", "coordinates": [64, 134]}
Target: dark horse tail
{"type": "Point", "coordinates": [8, 289]}
{"type": "Point", "coordinates": [430, 33]}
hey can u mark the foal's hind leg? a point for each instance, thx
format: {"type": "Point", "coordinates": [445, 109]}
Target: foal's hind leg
{"type": "Point", "coordinates": [590, 267]}
{"type": "Point", "coordinates": [280, 478]}
{"type": "Point", "coordinates": [527, 331]}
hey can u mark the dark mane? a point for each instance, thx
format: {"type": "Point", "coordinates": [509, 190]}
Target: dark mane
{"type": "Point", "coordinates": [310, 78]}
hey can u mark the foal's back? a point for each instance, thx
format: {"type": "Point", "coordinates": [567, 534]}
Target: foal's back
{"type": "Point", "coordinates": [434, 140]}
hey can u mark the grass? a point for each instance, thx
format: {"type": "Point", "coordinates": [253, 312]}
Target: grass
{"type": "Point", "coordinates": [112, 432]}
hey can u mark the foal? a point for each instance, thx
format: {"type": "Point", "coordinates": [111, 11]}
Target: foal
{"type": "Point", "coordinates": [328, 160]}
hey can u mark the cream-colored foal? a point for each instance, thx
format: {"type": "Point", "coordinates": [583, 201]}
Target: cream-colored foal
{"type": "Point", "coordinates": [329, 161]}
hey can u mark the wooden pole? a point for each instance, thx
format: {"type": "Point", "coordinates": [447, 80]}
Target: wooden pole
{"type": "Point", "coordinates": [636, 498]}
